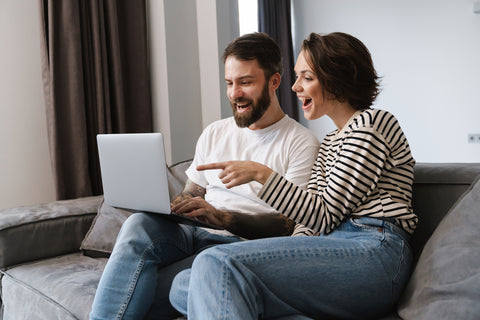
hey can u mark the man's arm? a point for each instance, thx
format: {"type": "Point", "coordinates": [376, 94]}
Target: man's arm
{"type": "Point", "coordinates": [191, 190]}
{"type": "Point", "coordinates": [259, 225]}
{"type": "Point", "coordinates": [242, 224]}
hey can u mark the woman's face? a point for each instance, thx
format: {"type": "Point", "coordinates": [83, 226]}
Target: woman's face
{"type": "Point", "coordinates": [309, 90]}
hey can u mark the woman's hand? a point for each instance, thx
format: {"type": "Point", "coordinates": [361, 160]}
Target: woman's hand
{"type": "Point", "coordinates": [235, 173]}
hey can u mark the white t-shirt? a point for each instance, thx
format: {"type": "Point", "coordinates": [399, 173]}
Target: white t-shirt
{"type": "Point", "coordinates": [286, 147]}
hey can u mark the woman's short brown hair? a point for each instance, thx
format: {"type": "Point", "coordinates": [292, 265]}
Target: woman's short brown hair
{"type": "Point", "coordinates": [344, 67]}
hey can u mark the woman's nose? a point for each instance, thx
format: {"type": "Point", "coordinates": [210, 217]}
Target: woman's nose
{"type": "Point", "coordinates": [296, 87]}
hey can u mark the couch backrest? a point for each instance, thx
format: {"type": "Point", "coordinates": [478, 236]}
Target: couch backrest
{"type": "Point", "coordinates": [436, 189]}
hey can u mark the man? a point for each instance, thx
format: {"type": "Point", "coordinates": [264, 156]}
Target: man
{"type": "Point", "coordinates": [258, 131]}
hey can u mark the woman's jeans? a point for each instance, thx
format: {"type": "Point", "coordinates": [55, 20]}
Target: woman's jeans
{"type": "Point", "coordinates": [356, 272]}
{"type": "Point", "coordinates": [146, 242]}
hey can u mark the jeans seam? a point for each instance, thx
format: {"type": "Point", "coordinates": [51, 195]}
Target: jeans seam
{"type": "Point", "coordinates": [134, 281]}
{"type": "Point", "coordinates": [395, 280]}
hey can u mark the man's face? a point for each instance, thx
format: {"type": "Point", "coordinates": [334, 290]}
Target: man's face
{"type": "Point", "coordinates": [247, 90]}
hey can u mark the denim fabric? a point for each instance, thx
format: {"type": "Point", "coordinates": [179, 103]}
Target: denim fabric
{"type": "Point", "coordinates": [145, 243]}
{"type": "Point", "coordinates": [356, 272]}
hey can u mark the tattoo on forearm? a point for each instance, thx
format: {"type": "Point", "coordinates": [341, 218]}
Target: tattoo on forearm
{"type": "Point", "coordinates": [191, 190]}
{"type": "Point", "coordinates": [259, 226]}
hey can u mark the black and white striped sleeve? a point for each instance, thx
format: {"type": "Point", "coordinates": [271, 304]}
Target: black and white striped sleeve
{"type": "Point", "coordinates": [353, 175]}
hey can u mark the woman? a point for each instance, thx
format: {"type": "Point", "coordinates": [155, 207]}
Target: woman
{"type": "Point", "coordinates": [348, 256]}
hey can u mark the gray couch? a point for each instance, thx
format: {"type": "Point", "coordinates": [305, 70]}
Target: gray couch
{"type": "Point", "coordinates": [52, 255]}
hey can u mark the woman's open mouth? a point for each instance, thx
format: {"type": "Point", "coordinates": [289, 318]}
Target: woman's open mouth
{"type": "Point", "coordinates": [307, 103]}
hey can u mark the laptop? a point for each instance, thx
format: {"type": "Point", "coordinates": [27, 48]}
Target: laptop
{"type": "Point", "coordinates": [134, 175]}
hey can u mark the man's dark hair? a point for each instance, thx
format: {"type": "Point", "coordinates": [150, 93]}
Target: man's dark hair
{"type": "Point", "coordinates": [344, 67]}
{"type": "Point", "coordinates": [257, 46]}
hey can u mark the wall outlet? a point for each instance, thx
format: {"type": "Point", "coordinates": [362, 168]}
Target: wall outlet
{"type": "Point", "coordinates": [474, 138]}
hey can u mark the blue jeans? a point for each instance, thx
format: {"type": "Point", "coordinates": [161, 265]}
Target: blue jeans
{"type": "Point", "coordinates": [356, 272]}
{"type": "Point", "coordinates": [146, 246]}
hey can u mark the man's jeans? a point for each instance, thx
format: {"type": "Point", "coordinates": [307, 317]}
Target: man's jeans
{"type": "Point", "coordinates": [146, 243]}
{"type": "Point", "coordinates": [356, 272]}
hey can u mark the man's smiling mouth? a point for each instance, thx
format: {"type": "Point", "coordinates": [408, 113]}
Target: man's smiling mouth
{"type": "Point", "coordinates": [242, 106]}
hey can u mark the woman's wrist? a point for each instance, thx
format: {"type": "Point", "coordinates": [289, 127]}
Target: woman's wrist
{"type": "Point", "coordinates": [263, 174]}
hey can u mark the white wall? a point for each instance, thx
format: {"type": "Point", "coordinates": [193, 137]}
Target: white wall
{"type": "Point", "coordinates": [428, 54]}
{"type": "Point", "coordinates": [25, 171]}
{"type": "Point", "coordinates": [187, 38]}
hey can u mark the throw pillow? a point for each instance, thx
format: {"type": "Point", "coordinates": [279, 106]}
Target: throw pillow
{"type": "Point", "coordinates": [100, 238]}
{"type": "Point", "coordinates": [446, 280]}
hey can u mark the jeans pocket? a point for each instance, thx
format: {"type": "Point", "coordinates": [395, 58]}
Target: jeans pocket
{"type": "Point", "coordinates": [367, 224]}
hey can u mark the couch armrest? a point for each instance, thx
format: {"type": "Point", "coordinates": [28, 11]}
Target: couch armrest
{"type": "Point", "coordinates": [41, 231]}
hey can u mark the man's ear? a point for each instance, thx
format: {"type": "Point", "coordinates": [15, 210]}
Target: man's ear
{"type": "Point", "coordinates": [275, 81]}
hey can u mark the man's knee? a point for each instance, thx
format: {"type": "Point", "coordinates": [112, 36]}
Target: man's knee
{"type": "Point", "coordinates": [179, 291]}
{"type": "Point", "coordinates": [212, 261]}
{"type": "Point", "coordinates": [137, 230]}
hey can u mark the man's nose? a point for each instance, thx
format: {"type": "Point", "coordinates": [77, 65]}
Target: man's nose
{"type": "Point", "coordinates": [236, 92]}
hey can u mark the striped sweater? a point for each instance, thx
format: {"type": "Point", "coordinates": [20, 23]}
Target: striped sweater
{"type": "Point", "coordinates": [364, 170]}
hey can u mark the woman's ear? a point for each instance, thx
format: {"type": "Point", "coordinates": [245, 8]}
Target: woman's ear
{"type": "Point", "coordinates": [275, 81]}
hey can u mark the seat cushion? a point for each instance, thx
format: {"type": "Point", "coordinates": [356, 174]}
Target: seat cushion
{"type": "Point", "coordinates": [64, 288]}
{"type": "Point", "coordinates": [445, 283]}
{"type": "Point", "coordinates": [57, 288]}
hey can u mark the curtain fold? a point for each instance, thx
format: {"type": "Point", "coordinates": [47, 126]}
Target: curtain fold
{"type": "Point", "coordinates": [96, 80]}
{"type": "Point", "coordinates": [274, 18]}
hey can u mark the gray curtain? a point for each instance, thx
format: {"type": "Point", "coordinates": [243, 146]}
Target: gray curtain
{"type": "Point", "coordinates": [96, 80]}
{"type": "Point", "coordinates": [274, 19]}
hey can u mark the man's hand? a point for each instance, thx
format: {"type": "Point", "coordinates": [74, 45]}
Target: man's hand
{"type": "Point", "coordinates": [235, 173]}
{"type": "Point", "coordinates": [200, 209]}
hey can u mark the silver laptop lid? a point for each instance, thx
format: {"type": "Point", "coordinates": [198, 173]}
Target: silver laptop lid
{"type": "Point", "coordinates": [134, 171]}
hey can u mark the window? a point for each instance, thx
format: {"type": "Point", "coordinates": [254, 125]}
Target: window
{"type": "Point", "coordinates": [247, 16]}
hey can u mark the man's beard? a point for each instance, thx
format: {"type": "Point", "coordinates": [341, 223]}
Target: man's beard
{"type": "Point", "coordinates": [256, 112]}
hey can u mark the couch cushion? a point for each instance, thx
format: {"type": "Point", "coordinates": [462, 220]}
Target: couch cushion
{"type": "Point", "coordinates": [57, 288]}
{"type": "Point", "coordinates": [445, 283]}
{"type": "Point", "coordinates": [101, 236]}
